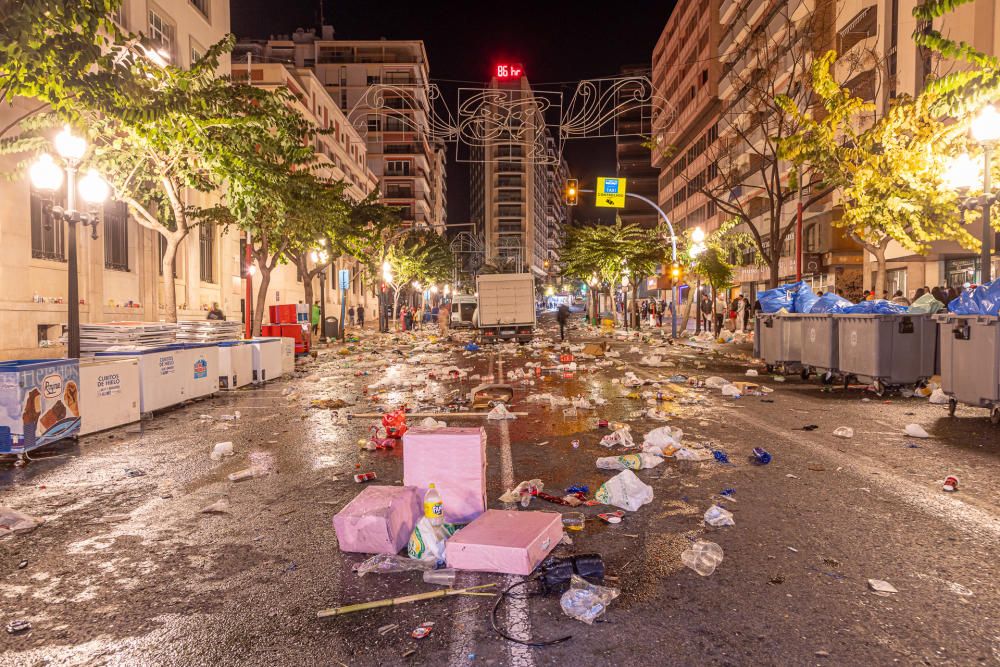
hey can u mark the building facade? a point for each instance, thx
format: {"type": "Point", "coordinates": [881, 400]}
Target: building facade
{"type": "Point", "coordinates": [382, 87]}
{"type": "Point", "coordinates": [516, 181]}
{"type": "Point", "coordinates": [633, 156]}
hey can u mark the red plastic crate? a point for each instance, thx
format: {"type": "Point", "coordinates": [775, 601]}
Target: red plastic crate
{"type": "Point", "coordinates": [283, 313]}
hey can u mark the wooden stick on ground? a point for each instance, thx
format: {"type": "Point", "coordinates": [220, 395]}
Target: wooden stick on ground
{"type": "Point", "coordinates": [392, 602]}
{"type": "Point", "coordinates": [435, 415]}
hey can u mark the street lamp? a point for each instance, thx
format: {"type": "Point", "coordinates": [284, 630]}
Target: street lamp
{"type": "Point", "coordinates": [47, 177]}
{"type": "Point", "coordinates": [698, 235]}
{"type": "Point", "coordinates": [962, 174]}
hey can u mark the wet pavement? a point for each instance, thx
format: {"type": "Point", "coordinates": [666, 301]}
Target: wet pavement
{"type": "Point", "coordinates": [127, 569]}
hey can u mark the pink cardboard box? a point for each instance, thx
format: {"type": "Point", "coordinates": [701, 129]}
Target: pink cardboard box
{"type": "Point", "coordinates": [379, 520]}
{"type": "Point", "coordinates": [454, 459]}
{"type": "Point", "coordinates": [505, 541]}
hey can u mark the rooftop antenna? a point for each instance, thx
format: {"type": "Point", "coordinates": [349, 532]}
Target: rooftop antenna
{"type": "Point", "coordinates": [322, 20]}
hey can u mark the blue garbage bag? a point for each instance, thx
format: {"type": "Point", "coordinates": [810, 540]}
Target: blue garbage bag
{"type": "Point", "coordinates": [804, 298]}
{"type": "Point", "coordinates": [987, 298]}
{"type": "Point", "coordinates": [875, 307]}
{"type": "Point", "coordinates": [830, 303]}
{"type": "Point", "coordinates": [964, 304]}
{"type": "Point", "coordinates": [793, 297]}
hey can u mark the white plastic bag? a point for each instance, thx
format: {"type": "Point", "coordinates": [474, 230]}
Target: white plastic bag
{"type": "Point", "coordinates": [499, 413]}
{"type": "Point", "coordinates": [221, 449]}
{"type": "Point", "coordinates": [938, 397]}
{"type": "Point", "coordinates": [621, 436]}
{"type": "Point", "coordinates": [731, 390]}
{"type": "Point", "coordinates": [916, 431]}
{"type": "Point", "coordinates": [717, 516]}
{"type": "Point", "coordinates": [663, 436]}
{"type": "Point", "coordinates": [686, 454]}
{"type": "Point", "coordinates": [715, 382]}
{"type": "Point", "coordinates": [585, 601]}
{"type": "Point", "coordinates": [629, 462]}
{"type": "Point", "coordinates": [427, 542]}
{"type": "Point", "coordinates": [431, 423]}
{"type": "Point", "coordinates": [844, 432]}
{"type": "Point", "coordinates": [626, 491]}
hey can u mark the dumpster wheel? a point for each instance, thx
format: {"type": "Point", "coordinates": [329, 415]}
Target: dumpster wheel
{"type": "Point", "coordinates": [952, 406]}
{"type": "Point", "coordinates": [827, 377]}
{"type": "Point", "coordinates": [995, 415]}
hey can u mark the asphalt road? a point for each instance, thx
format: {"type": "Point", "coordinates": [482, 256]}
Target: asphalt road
{"type": "Point", "coordinates": [128, 571]}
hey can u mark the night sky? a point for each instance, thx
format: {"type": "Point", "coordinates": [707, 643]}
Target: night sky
{"type": "Point", "coordinates": [558, 43]}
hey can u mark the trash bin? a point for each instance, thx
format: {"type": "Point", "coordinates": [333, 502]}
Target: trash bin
{"type": "Point", "coordinates": [820, 345]}
{"type": "Point", "coordinates": [890, 350]}
{"type": "Point", "coordinates": [778, 340]}
{"type": "Point", "coordinates": [331, 328]}
{"type": "Point", "coordinates": [970, 361]}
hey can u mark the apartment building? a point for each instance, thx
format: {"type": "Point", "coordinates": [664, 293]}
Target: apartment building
{"type": "Point", "coordinates": [382, 87]}
{"type": "Point", "coordinates": [342, 155]}
{"type": "Point", "coordinates": [513, 177]}
{"type": "Point", "coordinates": [633, 157]}
{"type": "Point", "coordinates": [119, 272]}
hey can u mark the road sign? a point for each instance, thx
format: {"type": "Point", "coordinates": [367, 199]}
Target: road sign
{"type": "Point", "coordinates": [610, 192]}
{"type": "Point", "coordinates": [344, 279]}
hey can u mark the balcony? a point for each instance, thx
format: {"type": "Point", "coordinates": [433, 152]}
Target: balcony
{"type": "Point", "coordinates": [509, 211]}
{"type": "Point", "coordinates": [728, 10]}
{"type": "Point", "coordinates": [510, 168]}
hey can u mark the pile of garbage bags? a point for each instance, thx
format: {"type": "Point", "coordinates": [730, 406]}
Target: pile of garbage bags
{"type": "Point", "coordinates": [982, 300]}
{"type": "Point", "coordinates": [791, 298]}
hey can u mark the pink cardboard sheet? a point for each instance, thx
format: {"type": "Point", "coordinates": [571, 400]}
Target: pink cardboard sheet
{"type": "Point", "coordinates": [454, 460]}
{"type": "Point", "coordinates": [505, 541]}
{"type": "Point", "coordinates": [379, 520]}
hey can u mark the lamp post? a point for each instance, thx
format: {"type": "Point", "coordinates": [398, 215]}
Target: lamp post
{"type": "Point", "coordinates": [962, 174]}
{"type": "Point", "coordinates": [383, 296]}
{"type": "Point", "coordinates": [320, 257]}
{"type": "Point", "coordinates": [47, 177]}
{"type": "Point", "coordinates": [696, 249]}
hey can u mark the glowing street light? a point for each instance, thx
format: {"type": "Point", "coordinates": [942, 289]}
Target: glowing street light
{"type": "Point", "coordinates": [434, 289]}
{"type": "Point", "coordinates": [387, 272]}
{"type": "Point", "coordinates": [986, 125]}
{"type": "Point", "coordinates": [698, 235]}
{"type": "Point", "coordinates": [45, 174]}
{"type": "Point", "coordinates": [961, 173]}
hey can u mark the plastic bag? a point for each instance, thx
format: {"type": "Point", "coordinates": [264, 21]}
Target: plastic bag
{"type": "Point", "coordinates": [427, 542]}
{"type": "Point", "coordinates": [844, 432]}
{"type": "Point", "coordinates": [621, 436]}
{"type": "Point", "coordinates": [926, 304]}
{"type": "Point", "coordinates": [663, 436]}
{"type": "Point", "coordinates": [964, 304]}
{"type": "Point", "coordinates": [522, 492]}
{"type": "Point", "coordinates": [731, 390]}
{"type": "Point", "coordinates": [585, 601]}
{"type": "Point", "coordinates": [804, 298]}
{"type": "Point", "coordinates": [830, 303]}
{"type": "Point", "coordinates": [702, 557]}
{"type": "Point", "coordinates": [716, 382]}
{"type": "Point", "coordinates": [718, 516]}
{"type": "Point", "coordinates": [629, 462]}
{"type": "Point", "coordinates": [686, 454]}
{"type": "Point", "coordinates": [988, 298]}
{"type": "Point", "coordinates": [626, 491]}
{"type": "Point", "coordinates": [499, 413]}
{"type": "Point", "coordinates": [774, 300]}
{"type": "Point", "coordinates": [388, 563]}
{"type": "Point", "coordinates": [877, 307]}
{"type": "Point", "coordinates": [938, 397]}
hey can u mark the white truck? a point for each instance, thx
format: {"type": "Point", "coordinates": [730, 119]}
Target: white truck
{"type": "Point", "coordinates": [506, 308]}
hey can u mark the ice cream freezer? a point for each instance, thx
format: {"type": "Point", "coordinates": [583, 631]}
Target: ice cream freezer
{"type": "Point", "coordinates": [109, 393]}
{"type": "Point", "coordinates": [287, 355]}
{"type": "Point", "coordinates": [235, 364]}
{"type": "Point", "coordinates": [266, 355]}
{"type": "Point", "coordinates": [161, 371]}
{"type": "Point", "coordinates": [40, 403]}
{"type": "Point", "coordinates": [201, 370]}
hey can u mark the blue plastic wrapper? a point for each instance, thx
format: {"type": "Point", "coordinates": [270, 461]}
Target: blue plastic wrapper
{"type": "Point", "coordinates": [964, 304]}
{"type": "Point", "coordinates": [830, 303]}
{"type": "Point", "coordinates": [793, 297]}
{"type": "Point", "coordinates": [988, 298]}
{"type": "Point", "coordinates": [876, 307]}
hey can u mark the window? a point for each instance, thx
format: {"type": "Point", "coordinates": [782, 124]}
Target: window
{"type": "Point", "coordinates": [405, 212]}
{"type": "Point", "coordinates": [374, 79]}
{"type": "Point", "coordinates": [48, 236]}
{"type": "Point", "coordinates": [119, 15]}
{"type": "Point", "coordinates": [201, 6]}
{"type": "Point", "coordinates": [196, 52]}
{"type": "Point", "coordinates": [373, 124]}
{"type": "Point", "coordinates": [206, 251]}
{"type": "Point", "coordinates": [397, 168]}
{"type": "Point", "coordinates": [116, 236]}
{"type": "Point", "coordinates": [161, 32]}
{"type": "Point", "coordinates": [343, 99]}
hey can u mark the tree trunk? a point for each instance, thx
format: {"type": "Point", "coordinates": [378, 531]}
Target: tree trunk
{"type": "Point", "coordinates": [258, 307]}
{"type": "Point", "coordinates": [395, 308]}
{"type": "Point", "coordinates": [772, 280]}
{"type": "Point", "coordinates": [687, 315]}
{"type": "Point", "coordinates": [715, 309]}
{"type": "Point", "coordinates": [169, 282]}
{"type": "Point", "coordinates": [880, 271]}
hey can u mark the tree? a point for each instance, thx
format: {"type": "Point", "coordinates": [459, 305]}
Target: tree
{"type": "Point", "coordinates": [419, 255]}
{"type": "Point", "coordinates": [887, 170]}
{"type": "Point", "coordinates": [377, 228]}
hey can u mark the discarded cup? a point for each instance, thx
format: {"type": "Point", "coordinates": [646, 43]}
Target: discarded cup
{"type": "Point", "coordinates": [574, 520]}
{"type": "Point", "coordinates": [365, 477]}
{"type": "Point", "coordinates": [576, 444]}
{"type": "Point", "coordinates": [702, 557]}
{"type": "Point", "coordinates": [950, 483]}
{"type": "Point", "coordinates": [444, 577]}
{"type": "Point", "coordinates": [425, 629]}
{"type": "Point", "coordinates": [611, 517]}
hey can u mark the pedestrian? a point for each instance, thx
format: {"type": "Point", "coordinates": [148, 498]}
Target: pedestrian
{"type": "Point", "coordinates": [408, 318]}
{"type": "Point", "coordinates": [361, 316]}
{"type": "Point", "coordinates": [659, 313]}
{"type": "Point", "coordinates": [315, 317]}
{"type": "Point", "coordinates": [939, 294]}
{"type": "Point", "coordinates": [444, 319]}
{"type": "Point", "coordinates": [350, 314]}
{"type": "Point", "coordinates": [885, 295]}
{"type": "Point", "coordinates": [899, 299]}
{"type": "Point", "coordinates": [215, 313]}
{"type": "Point", "coordinates": [840, 293]}
{"type": "Point", "coordinates": [562, 317]}
{"type": "Point", "coordinates": [705, 308]}
{"type": "Point", "coordinates": [746, 312]}
{"type": "Point", "coordinates": [740, 313]}
{"type": "Point", "coordinates": [919, 293]}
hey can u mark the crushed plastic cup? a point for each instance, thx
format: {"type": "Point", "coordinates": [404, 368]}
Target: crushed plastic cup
{"type": "Point", "coordinates": [585, 601]}
{"type": "Point", "coordinates": [702, 557]}
{"type": "Point", "coordinates": [574, 520]}
{"type": "Point", "coordinates": [717, 517]}
{"type": "Point", "coordinates": [844, 432]}
{"type": "Point", "coordinates": [221, 449]}
{"type": "Point", "coordinates": [443, 577]}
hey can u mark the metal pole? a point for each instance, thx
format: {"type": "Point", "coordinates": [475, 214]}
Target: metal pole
{"type": "Point", "coordinates": [986, 269]}
{"type": "Point", "coordinates": [248, 299]}
{"type": "Point", "coordinates": [73, 312]}
{"type": "Point", "coordinates": [798, 231]}
{"type": "Point", "coordinates": [322, 305]}
{"type": "Point", "coordinates": [343, 309]}
{"type": "Point", "coordinates": [673, 311]}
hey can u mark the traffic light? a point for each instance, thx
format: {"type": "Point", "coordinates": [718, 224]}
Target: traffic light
{"type": "Point", "coordinates": [572, 192]}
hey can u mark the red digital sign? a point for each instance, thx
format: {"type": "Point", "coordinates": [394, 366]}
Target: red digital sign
{"type": "Point", "coordinates": [509, 71]}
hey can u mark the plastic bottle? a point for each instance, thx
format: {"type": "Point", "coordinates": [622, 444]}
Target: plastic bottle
{"type": "Point", "coordinates": [433, 508]}
{"type": "Point", "coordinates": [445, 577]}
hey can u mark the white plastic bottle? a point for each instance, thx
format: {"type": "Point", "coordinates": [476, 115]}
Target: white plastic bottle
{"type": "Point", "coordinates": [433, 508]}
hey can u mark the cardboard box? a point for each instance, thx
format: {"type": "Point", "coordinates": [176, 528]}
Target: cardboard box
{"type": "Point", "coordinates": [379, 519]}
{"type": "Point", "coordinates": [505, 541]}
{"type": "Point", "coordinates": [454, 459]}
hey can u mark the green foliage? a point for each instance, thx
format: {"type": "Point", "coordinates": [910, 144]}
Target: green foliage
{"type": "Point", "coordinates": [888, 170]}
{"type": "Point", "coordinates": [611, 251]}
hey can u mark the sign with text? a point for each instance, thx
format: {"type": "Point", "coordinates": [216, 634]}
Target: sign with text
{"type": "Point", "coordinates": [610, 192]}
{"type": "Point", "coordinates": [344, 279]}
